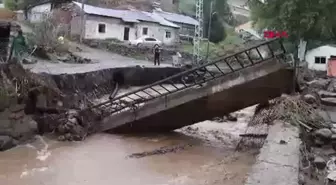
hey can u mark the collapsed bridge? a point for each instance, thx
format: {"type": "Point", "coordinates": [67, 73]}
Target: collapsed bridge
{"type": "Point", "coordinates": [228, 84]}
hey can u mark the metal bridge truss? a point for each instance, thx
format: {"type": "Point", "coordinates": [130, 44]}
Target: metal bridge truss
{"type": "Point", "coordinates": [202, 74]}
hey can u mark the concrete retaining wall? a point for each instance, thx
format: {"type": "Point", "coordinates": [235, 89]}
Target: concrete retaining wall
{"type": "Point", "coordinates": [133, 76]}
{"type": "Point", "coordinates": [278, 164]}
{"type": "Point", "coordinates": [228, 94]}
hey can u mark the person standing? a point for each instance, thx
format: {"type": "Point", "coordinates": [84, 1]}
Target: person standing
{"type": "Point", "coordinates": [157, 52]}
{"type": "Point", "coordinates": [19, 46]}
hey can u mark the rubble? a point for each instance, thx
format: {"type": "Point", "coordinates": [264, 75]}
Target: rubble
{"type": "Point", "coordinates": [71, 58]}
{"type": "Point", "coordinates": [71, 129]}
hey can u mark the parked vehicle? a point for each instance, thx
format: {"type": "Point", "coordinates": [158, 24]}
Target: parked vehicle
{"type": "Point", "coordinates": [146, 41]}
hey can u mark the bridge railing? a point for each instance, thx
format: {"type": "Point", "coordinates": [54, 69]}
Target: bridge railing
{"type": "Point", "coordinates": [194, 77]}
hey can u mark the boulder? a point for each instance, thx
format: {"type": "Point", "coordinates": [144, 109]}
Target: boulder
{"type": "Point", "coordinates": [323, 133]}
{"type": "Point", "coordinates": [328, 101]}
{"type": "Point", "coordinates": [6, 143]}
{"type": "Point", "coordinates": [319, 83]}
{"type": "Point", "coordinates": [310, 99]}
{"type": "Point", "coordinates": [332, 86]}
{"type": "Point", "coordinates": [218, 119]}
{"type": "Point", "coordinates": [230, 117]}
{"type": "Point", "coordinates": [327, 94]}
{"type": "Point", "coordinates": [320, 163]}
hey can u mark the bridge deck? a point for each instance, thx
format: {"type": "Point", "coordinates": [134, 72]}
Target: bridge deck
{"type": "Point", "coordinates": [133, 106]}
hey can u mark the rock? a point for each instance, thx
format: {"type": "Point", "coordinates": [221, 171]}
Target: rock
{"type": "Point", "coordinates": [72, 113]}
{"type": "Point", "coordinates": [319, 83]}
{"type": "Point", "coordinates": [29, 61]}
{"type": "Point", "coordinates": [6, 143]}
{"type": "Point", "coordinates": [332, 86]}
{"type": "Point", "coordinates": [327, 94]}
{"type": "Point", "coordinates": [59, 103]}
{"type": "Point", "coordinates": [77, 130]}
{"type": "Point", "coordinates": [61, 138]}
{"type": "Point", "coordinates": [232, 117]}
{"type": "Point", "coordinates": [61, 129]}
{"type": "Point", "coordinates": [17, 108]}
{"type": "Point", "coordinates": [73, 120]}
{"type": "Point", "coordinates": [218, 119]}
{"type": "Point", "coordinates": [301, 179]}
{"type": "Point", "coordinates": [323, 133]}
{"type": "Point", "coordinates": [320, 163]}
{"type": "Point", "coordinates": [282, 142]}
{"type": "Point", "coordinates": [310, 99]}
{"type": "Point", "coordinates": [68, 137]}
{"type": "Point", "coordinates": [33, 125]}
{"type": "Point", "coordinates": [328, 101]}
{"type": "Point", "coordinates": [331, 178]}
{"type": "Point", "coordinates": [318, 142]}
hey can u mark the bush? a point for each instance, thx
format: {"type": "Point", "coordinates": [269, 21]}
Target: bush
{"type": "Point", "coordinates": [4, 99]}
{"type": "Point", "coordinates": [45, 35]}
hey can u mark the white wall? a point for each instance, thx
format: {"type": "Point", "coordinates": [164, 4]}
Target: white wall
{"type": "Point", "coordinates": [114, 28]}
{"type": "Point", "coordinates": [323, 51]}
{"type": "Point", "coordinates": [37, 13]}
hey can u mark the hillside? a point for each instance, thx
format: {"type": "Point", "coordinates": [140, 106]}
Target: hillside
{"type": "Point", "coordinates": [145, 5]}
{"type": "Point", "coordinates": [187, 7]}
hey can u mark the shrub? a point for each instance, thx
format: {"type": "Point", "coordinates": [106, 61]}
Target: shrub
{"type": "Point", "coordinates": [45, 35]}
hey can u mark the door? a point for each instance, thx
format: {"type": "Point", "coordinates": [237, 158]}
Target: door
{"type": "Point", "coordinates": [126, 33]}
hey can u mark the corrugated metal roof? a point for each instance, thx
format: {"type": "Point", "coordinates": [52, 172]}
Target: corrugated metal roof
{"type": "Point", "coordinates": [125, 15]}
{"type": "Point", "coordinates": [161, 17]}
{"type": "Point", "coordinates": [178, 18]}
{"type": "Point", "coordinates": [161, 20]}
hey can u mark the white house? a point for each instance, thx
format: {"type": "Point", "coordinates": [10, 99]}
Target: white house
{"type": "Point", "coordinates": [124, 25]}
{"type": "Point", "coordinates": [317, 58]}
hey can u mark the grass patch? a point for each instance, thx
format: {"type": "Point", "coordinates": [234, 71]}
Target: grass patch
{"type": "Point", "coordinates": [215, 50]}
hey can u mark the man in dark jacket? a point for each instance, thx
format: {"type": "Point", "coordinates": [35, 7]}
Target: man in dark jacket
{"type": "Point", "coordinates": [157, 52]}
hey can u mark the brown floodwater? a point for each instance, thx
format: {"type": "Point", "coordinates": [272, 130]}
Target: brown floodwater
{"type": "Point", "coordinates": [102, 159]}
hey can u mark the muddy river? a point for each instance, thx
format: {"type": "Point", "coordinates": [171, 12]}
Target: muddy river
{"type": "Point", "coordinates": [102, 159]}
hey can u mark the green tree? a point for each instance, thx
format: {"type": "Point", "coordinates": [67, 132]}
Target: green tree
{"type": "Point", "coordinates": [302, 19]}
{"type": "Point", "coordinates": [11, 4]}
{"type": "Point", "coordinates": [222, 14]}
{"type": "Point", "coordinates": [217, 33]}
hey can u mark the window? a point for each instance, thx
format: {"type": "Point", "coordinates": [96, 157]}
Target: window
{"type": "Point", "coordinates": [150, 39]}
{"type": "Point", "coordinates": [144, 31]}
{"type": "Point", "coordinates": [101, 28]}
{"type": "Point", "coordinates": [320, 60]}
{"type": "Point", "coordinates": [168, 34]}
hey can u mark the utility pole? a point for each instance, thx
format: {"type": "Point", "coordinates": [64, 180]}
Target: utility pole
{"type": "Point", "coordinates": [209, 29]}
{"type": "Point", "coordinates": [198, 31]}
{"type": "Point", "coordinates": [82, 23]}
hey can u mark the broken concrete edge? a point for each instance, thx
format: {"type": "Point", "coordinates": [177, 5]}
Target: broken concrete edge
{"type": "Point", "coordinates": [278, 161]}
{"type": "Point", "coordinates": [176, 99]}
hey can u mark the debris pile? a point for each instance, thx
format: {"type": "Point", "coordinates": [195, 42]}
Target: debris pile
{"type": "Point", "coordinates": [318, 150]}
{"type": "Point", "coordinates": [71, 129]}
{"type": "Point", "coordinates": [71, 58]}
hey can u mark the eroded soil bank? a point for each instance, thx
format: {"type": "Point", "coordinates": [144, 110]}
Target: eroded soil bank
{"type": "Point", "coordinates": [35, 103]}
